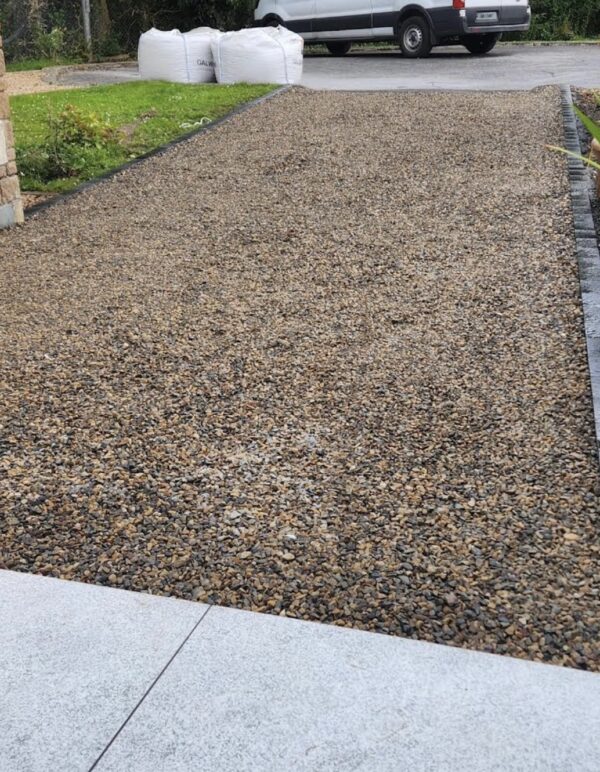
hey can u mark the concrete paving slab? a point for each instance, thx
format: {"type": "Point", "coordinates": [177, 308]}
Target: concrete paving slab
{"type": "Point", "coordinates": [100, 77]}
{"type": "Point", "coordinates": [253, 692]}
{"type": "Point", "coordinates": [75, 660]}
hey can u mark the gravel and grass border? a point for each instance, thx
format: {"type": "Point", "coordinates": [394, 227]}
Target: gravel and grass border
{"type": "Point", "coordinates": [52, 199]}
{"type": "Point", "coordinates": [588, 254]}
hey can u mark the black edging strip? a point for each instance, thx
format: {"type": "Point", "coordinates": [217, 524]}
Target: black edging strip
{"type": "Point", "coordinates": [588, 255]}
{"type": "Point", "coordinates": [155, 152]}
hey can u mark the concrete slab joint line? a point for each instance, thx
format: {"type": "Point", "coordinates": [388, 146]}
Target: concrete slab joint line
{"type": "Point", "coordinates": [150, 688]}
{"type": "Point", "coordinates": [588, 255]}
{"type": "Point", "coordinates": [245, 691]}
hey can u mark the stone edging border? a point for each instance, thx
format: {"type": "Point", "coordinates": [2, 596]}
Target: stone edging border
{"type": "Point", "coordinates": [157, 151]}
{"type": "Point", "coordinates": [588, 254]}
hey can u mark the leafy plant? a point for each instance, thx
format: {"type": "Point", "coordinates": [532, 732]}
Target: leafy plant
{"type": "Point", "coordinates": [594, 130]}
{"type": "Point", "coordinates": [564, 19]}
{"type": "Point", "coordinates": [76, 141]}
{"type": "Point", "coordinates": [50, 45]}
{"type": "Point", "coordinates": [73, 126]}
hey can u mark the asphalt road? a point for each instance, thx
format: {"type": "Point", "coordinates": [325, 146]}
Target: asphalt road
{"type": "Point", "coordinates": [508, 67]}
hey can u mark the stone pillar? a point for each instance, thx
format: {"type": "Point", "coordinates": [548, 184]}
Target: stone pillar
{"type": "Point", "coordinates": [11, 207]}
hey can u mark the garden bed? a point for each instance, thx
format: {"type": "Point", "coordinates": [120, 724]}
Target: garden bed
{"type": "Point", "coordinates": [317, 364]}
{"type": "Point", "coordinates": [589, 101]}
{"type": "Point", "coordinates": [137, 118]}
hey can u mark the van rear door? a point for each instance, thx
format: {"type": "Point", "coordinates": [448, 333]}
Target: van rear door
{"type": "Point", "coordinates": [482, 13]}
{"type": "Point", "coordinates": [343, 20]}
{"type": "Point", "coordinates": [515, 12]}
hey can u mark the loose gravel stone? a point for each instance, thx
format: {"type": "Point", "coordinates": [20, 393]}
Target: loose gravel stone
{"type": "Point", "coordinates": [30, 82]}
{"type": "Point", "coordinates": [326, 361]}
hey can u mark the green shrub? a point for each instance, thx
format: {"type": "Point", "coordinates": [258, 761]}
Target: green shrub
{"type": "Point", "coordinates": [73, 126]}
{"type": "Point", "coordinates": [109, 45]}
{"type": "Point", "coordinates": [564, 19]}
{"type": "Point", "coordinates": [50, 45]}
{"type": "Point", "coordinates": [76, 142]}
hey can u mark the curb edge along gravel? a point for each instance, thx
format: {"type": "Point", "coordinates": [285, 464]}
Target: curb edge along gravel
{"type": "Point", "coordinates": [157, 151]}
{"type": "Point", "coordinates": [588, 254]}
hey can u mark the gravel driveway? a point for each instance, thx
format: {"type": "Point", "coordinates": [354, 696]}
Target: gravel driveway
{"type": "Point", "coordinates": [325, 361]}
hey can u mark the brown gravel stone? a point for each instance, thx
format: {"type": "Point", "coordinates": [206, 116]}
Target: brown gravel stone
{"type": "Point", "coordinates": [326, 361]}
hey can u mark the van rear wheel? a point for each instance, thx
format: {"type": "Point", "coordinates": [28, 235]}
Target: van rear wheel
{"type": "Point", "coordinates": [480, 44]}
{"type": "Point", "coordinates": [338, 48]}
{"type": "Point", "coordinates": [272, 21]}
{"type": "Point", "coordinates": [414, 37]}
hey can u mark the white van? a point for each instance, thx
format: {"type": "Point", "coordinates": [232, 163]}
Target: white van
{"type": "Point", "coordinates": [417, 26]}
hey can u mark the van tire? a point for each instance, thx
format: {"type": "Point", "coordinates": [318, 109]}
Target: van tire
{"type": "Point", "coordinates": [272, 21]}
{"type": "Point", "coordinates": [338, 48]}
{"type": "Point", "coordinates": [414, 37]}
{"type": "Point", "coordinates": [480, 44]}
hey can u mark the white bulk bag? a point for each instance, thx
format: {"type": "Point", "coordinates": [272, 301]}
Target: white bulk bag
{"type": "Point", "coordinates": [175, 57]}
{"type": "Point", "coordinates": [161, 56]}
{"type": "Point", "coordinates": [260, 55]}
{"type": "Point", "coordinates": [201, 63]}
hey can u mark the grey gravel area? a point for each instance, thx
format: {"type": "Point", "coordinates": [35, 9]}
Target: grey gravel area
{"type": "Point", "coordinates": [326, 361]}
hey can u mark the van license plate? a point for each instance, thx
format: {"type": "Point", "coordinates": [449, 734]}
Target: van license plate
{"type": "Point", "coordinates": [486, 16]}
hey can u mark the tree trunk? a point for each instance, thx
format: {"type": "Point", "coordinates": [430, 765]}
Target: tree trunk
{"type": "Point", "coordinates": [34, 15]}
{"type": "Point", "coordinates": [104, 20]}
{"type": "Point", "coordinates": [87, 27]}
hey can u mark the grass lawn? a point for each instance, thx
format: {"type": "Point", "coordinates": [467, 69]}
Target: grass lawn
{"type": "Point", "coordinates": [148, 114]}
{"type": "Point", "coordinates": [24, 65]}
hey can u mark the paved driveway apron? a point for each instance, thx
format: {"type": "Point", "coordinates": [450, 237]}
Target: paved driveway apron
{"type": "Point", "coordinates": [507, 68]}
